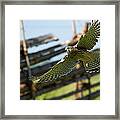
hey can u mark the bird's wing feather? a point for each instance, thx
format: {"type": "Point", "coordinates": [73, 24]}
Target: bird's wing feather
{"type": "Point", "coordinates": [88, 41]}
{"type": "Point", "coordinates": [95, 64]}
{"type": "Point", "coordinates": [63, 68]}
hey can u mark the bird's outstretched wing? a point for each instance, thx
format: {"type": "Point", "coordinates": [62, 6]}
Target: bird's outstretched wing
{"type": "Point", "coordinates": [64, 67]}
{"type": "Point", "coordinates": [94, 65]}
{"type": "Point", "coordinates": [88, 41]}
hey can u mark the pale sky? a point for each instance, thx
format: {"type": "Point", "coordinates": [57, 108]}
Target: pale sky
{"type": "Point", "coordinates": [59, 28]}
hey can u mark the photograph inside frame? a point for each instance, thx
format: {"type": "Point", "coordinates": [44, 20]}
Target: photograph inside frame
{"type": "Point", "coordinates": [59, 60]}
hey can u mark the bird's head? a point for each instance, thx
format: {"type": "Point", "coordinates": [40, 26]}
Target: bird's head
{"type": "Point", "coordinates": [71, 49]}
{"type": "Point", "coordinates": [68, 48]}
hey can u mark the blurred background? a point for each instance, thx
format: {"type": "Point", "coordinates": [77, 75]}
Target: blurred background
{"type": "Point", "coordinates": [45, 42]}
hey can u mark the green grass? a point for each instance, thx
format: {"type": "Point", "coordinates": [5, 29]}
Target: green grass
{"type": "Point", "coordinates": [94, 80]}
{"type": "Point", "coordinates": [57, 92]}
{"type": "Point", "coordinates": [70, 88]}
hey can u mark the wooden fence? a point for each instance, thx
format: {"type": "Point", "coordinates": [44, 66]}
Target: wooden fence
{"type": "Point", "coordinates": [41, 62]}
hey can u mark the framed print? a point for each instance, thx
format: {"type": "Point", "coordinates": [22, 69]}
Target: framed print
{"type": "Point", "coordinates": [60, 59]}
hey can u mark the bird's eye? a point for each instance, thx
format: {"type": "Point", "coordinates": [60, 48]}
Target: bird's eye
{"type": "Point", "coordinates": [68, 48]}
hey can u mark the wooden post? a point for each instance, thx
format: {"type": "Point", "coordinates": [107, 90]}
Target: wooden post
{"type": "Point", "coordinates": [25, 49]}
{"type": "Point", "coordinates": [89, 89]}
{"type": "Point", "coordinates": [29, 82]}
{"type": "Point", "coordinates": [74, 28]}
{"type": "Point", "coordinates": [77, 85]}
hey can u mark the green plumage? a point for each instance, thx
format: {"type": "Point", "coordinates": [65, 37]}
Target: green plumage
{"type": "Point", "coordinates": [95, 64]}
{"type": "Point", "coordinates": [66, 66]}
{"type": "Point", "coordinates": [75, 55]}
{"type": "Point", "coordinates": [88, 41]}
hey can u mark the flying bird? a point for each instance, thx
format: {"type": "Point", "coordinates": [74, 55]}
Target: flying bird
{"type": "Point", "coordinates": [77, 53]}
